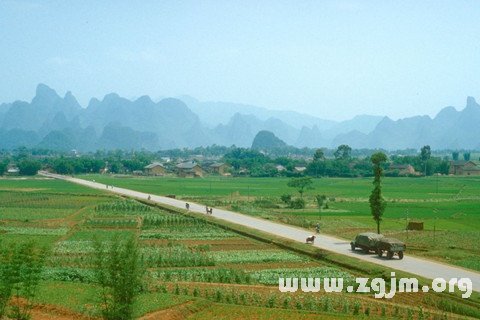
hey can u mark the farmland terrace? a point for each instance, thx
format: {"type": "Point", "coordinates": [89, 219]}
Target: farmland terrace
{"type": "Point", "coordinates": [196, 268]}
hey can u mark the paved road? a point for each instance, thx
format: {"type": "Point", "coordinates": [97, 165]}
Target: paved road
{"type": "Point", "coordinates": [422, 267]}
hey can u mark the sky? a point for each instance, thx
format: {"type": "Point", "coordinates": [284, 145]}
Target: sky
{"type": "Point", "coordinates": [331, 59]}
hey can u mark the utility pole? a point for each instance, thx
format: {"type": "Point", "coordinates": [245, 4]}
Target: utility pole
{"type": "Point", "coordinates": [435, 211]}
{"type": "Point", "coordinates": [406, 222]}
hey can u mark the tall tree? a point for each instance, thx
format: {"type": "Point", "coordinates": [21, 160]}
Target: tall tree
{"type": "Point", "coordinates": [301, 184]}
{"type": "Point", "coordinates": [318, 155]}
{"type": "Point", "coordinates": [119, 271]}
{"type": "Point", "coordinates": [466, 156]}
{"type": "Point", "coordinates": [377, 203]}
{"type": "Point", "coordinates": [425, 155]}
{"type": "Point", "coordinates": [3, 166]}
{"type": "Point", "coordinates": [317, 166]}
{"type": "Point", "coordinates": [455, 155]}
{"type": "Point", "coordinates": [343, 152]}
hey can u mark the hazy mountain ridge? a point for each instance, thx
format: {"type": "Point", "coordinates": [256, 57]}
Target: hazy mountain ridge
{"type": "Point", "coordinates": [216, 113]}
{"type": "Point", "coordinates": [53, 122]}
{"type": "Point", "coordinates": [449, 129]}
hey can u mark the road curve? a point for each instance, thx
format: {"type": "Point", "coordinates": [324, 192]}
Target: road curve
{"type": "Point", "coordinates": [421, 267]}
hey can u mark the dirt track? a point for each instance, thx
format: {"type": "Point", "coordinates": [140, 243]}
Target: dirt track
{"type": "Point", "coordinates": [422, 267]}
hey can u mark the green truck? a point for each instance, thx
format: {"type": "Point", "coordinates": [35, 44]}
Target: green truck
{"type": "Point", "coordinates": [379, 244]}
{"type": "Point", "coordinates": [366, 241]}
{"type": "Point", "coordinates": [391, 246]}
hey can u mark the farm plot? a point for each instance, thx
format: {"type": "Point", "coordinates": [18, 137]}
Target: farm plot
{"type": "Point", "coordinates": [174, 227]}
{"type": "Point", "coordinates": [187, 259]}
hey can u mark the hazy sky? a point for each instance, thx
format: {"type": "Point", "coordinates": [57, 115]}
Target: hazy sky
{"type": "Point", "coordinates": [332, 59]}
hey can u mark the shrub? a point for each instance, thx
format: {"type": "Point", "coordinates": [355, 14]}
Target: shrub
{"type": "Point", "coordinates": [286, 198]}
{"type": "Point", "coordinates": [119, 272]}
{"type": "Point", "coordinates": [297, 203]}
{"type": "Point", "coordinates": [356, 308]}
{"type": "Point", "coordinates": [196, 292]}
{"type": "Point", "coordinates": [20, 272]}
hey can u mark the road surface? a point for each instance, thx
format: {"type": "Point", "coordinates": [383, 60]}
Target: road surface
{"type": "Point", "coordinates": [421, 267]}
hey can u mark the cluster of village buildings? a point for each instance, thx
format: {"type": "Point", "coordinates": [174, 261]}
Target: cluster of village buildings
{"type": "Point", "coordinates": [193, 169]}
{"type": "Point", "coordinates": [465, 168]}
{"type": "Point", "coordinates": [185, 169]}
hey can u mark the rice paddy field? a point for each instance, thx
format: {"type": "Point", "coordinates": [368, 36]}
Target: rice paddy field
{"type": "Point", "coordinates": [448, 207]}
{"type": "Point", "coordinates": [196, 269]}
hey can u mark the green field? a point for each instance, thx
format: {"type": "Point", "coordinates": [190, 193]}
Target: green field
{"type": "Point", "coordinates": [448, 207]}
{"type": "Point", "coordinates": [194, 267]}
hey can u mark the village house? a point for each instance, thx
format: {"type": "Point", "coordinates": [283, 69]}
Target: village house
{"type": "Point", "coordinates": [220, 168]}
{"type": "Point", "coordinates": [280, 168]}
{"type": "Point", "coordinates": [13, 170]}
{"type": "Point", "coordinates": [189, 169]}
{"type": "Point", "coordinates": [465, 168]}
{"type": "Point", "coordinates": [155, 169]}
{"type": "Point", "coordinates": [403, 169]}
{"type": "Point", "coordinates": [299, 169]}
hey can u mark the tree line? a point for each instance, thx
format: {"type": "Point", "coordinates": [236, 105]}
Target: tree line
{"type": "Point", "coordinates": [340, 162]}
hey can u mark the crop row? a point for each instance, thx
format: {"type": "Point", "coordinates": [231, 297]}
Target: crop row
{"type": "Point", "coordinates": [68, 274]}
{"type": "Point", "coordinates": [171, 220]}
{"type": "Point", "coordinates": [42, 200]}
{"type": "Point", "coordinates": [115, 223]}
{"type": "Point", "coordinates": [254, 256]}
{"type": "Point", "coordinates": [267, 276]}
{"type": "Point", "coordinates": [307, 302]}
{"type": "Point", "coordinates": [177, 256]}
{"type": "Point", "coordinates": [35, 231]}
{"type": "Point", "coordinates": [271, 276]}
{"type": "Point", "coordinates": [217, 275]}
{"type": "Point", "coordinates": [124, 207]}
{"type": "Point", "coordinates": [73, 247]}
{"type": "Point", "coordinates": [210, 233]}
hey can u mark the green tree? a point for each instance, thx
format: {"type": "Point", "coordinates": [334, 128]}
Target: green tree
{"type": "Point", "coordinates": [466, 156]}
{"type": "Point", "coordinates": [297, 203]}
{"type": "Point", "coordinates": [455, 155]}
{"type": "Point", "coordinates": [343, 152]}
{"type": "Point", "coordinates": [317, 166]}
{"type": "Point", "coordinates": [3, 166]}
{"type": "Point", "coordinates": [286, 198]}
{"type": "Point", "coordinates": [29, 167]}
{"type": "Point", "coordinates": [425, 155]}
{"type": "Point", "coordinates": [301, 184]}
{"type": "Point", "coordinates": [119, 271]}
{"type": "Point", "coordinates": [20, 273]}
{"type": "Point", "coordinates": [377, 203]}
{"type": "Point", "coordinates": [319, 155]}
{"type": "Point", "coordinates": [63, 166]}
{"type": "Point", "coordinates": [321, 200]}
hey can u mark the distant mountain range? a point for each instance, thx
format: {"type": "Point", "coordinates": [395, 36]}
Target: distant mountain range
{"type": "Point", "coordinates": [50, 121]}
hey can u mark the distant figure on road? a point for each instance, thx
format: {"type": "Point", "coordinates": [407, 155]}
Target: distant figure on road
{"type": "Point", "coordinates": [206, 209]}
{"type": "Point", "coordinates": [149, 197]}
{"type": "Point", "coordinates": [210, 211]}
{"type": "Point", "coordinates": [317, 227]}
{"type": "Point", "coordinates": [187, 206]}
